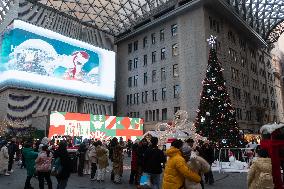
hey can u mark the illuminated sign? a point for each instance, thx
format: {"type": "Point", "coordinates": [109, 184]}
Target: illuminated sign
{"type": "Point", "coordinates": [36, 58]}
{"type": "Point", "coordinates": [94, 126]}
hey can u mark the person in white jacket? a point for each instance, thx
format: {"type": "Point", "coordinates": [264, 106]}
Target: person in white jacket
{"type": "Point", "coordinates": [196, 164]}
{"type": "Point", "coordinates": [4, 159]}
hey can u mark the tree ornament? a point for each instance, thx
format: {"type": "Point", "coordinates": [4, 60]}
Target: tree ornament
{"type": "Point", "coordinates": [208, 113]}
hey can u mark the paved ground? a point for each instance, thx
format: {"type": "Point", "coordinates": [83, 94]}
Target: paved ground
{"type": "Point", "coordinates": [17, 179]}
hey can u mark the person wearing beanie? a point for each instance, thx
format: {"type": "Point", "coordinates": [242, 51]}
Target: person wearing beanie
{"type": "Point", "coordinates": [176, 169]}
{"type": "Point", "coordinates": [196, 164]}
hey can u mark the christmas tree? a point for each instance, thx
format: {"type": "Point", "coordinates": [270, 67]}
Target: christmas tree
{"type": "Point", "coordinates": [216, 118]}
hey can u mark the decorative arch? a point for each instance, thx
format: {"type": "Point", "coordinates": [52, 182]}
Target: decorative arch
{"type": "Point", "coordinates": [275, 32]}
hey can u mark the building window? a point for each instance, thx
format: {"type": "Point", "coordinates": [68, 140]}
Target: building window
{"type": "Point", "coordinates": [130, 82]}
{"type": "Point", "coordinates": [150, 115]}
{"type": "Point", "coordinates": [154, 57]}
{"type": "Point", "coordinates": [162, 35]}
{"type": "Point", "coordinates": [248, 115]}
{"type": "Point", "coordinates": [130, 99]}
{"type": "Point", "coordinates": [164, 91]}
{"type": "Point", "coordinates": [129, 65]}
{"type": "Point", "coordinates": [163, 53]}
{"type": "Point", "coordinates": [146, 115]}
{"type": "Point", "coordinates": [137, 98]}
{"type": "Point", "coordinates": [135, 63]}
{"type": "Point", "coordinates": [127, 99]}
{"type": "Point", "coordinates": [157, 114]}
{"type": "Point", "coordinates": [143, 97]}
{"type": "Point", "coordinates": [144, 41]}
{"type": "Point", "coordinates": [164, 114]}
{"type": "Point", "coordinates": [235, 74]}
{"type": "Point", "coordinates": [145, 60]}
{"type": "Point", "coordinates": [174, 29]}
{"type": "Point", "coordinates": [236, 93]}
{"type": "Point", "coordinates": [175, 49]}
{"type": "Point", "coordinates": [176, 91]}
{"type": "Point", "coordinates": [175, 70]}
{"type": "Point", "coordinates": [145, 78]}
{"type": "Point", "coordinates": [154, 114]}
{"type": "Point", "coordinates": [129, 47]}
{"type": "Point", "coordinates": [154, 95]}
{"type": "Point", "coordinates": [163, 74]}
{"type": "Point", "coordinates": [239, 113]}
{"type": "Point", "coordinates": [176, 109]}
{"type": "Point", "coordinates": [135, 80]}
{"type": "Point", "coordinates": [154, 75]}
{"type": "Point", "coordinates": [153, 38]}
{"type": "Point", "coordinates": [135, 45]}
{"type": "Point", "coordinates": [146, 96]}
{"type": "Point", "coordinates": [134, 98]}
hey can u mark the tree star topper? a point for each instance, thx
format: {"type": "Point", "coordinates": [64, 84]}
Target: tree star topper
{"type": "Point", "coordinates": [212, 40]}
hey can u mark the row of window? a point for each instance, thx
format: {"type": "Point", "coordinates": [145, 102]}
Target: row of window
{"type": "Point", "coordinates": [245, 79]}
{"type": "Point", "coordinates": [248, 116]}
{"type": "Point", "coordinates": [154, 115]}
{"type": "Point", "coordinates": [132, 65]}
{"type": "Point", "coordinates": [133, 80]}
{"type": "Point", "coordinates": [134, 46]}
{"type": "Point", "coordinates": [132, 99]}
{"type": "Point", "coordinates": [133, 114]}
{"type": "Point", "coordinates": [247, 97]}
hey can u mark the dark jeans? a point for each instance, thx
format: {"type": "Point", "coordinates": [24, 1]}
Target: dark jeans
{"type": "Point", "coordinates": [133, 177]}
{"type": "Point", "coordinates": [62, 183]}
{"type": "Point", "coordinates": [28, 182]}
{"type": "Point", "coordinates": [81, 166]}
{"type": "Point", "coordinates": [41, 177]}
{"type": "Point", "coordinates": [155, 180]}
{"type": "Point", "coordinates": [93, 170]}
{"type": "Point", "coordinates": [209, 177]}
{"type": "Point", "coordinates": [11, 161]}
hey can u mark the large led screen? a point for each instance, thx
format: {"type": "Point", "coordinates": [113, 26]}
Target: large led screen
{"type": "Point", "coordinates": [94, 126]}
{"type": "Point", "coordinates": [36, 58]}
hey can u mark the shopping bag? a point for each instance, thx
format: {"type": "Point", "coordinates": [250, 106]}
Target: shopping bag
{"type": "Point", "coordinates": [145, 181]}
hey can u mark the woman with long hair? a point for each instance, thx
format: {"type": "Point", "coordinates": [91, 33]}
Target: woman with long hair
{"type": "Point", "coordinates": [65, 163]}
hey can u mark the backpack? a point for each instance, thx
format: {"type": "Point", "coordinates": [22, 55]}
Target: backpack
{"type": "Point", "coordinates": [56, 167]}
{"type": "Point", "coordinates": [265, 180]}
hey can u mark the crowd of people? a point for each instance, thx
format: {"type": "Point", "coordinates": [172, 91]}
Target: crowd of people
{"type": "Point", "coordinates": [186, 164]}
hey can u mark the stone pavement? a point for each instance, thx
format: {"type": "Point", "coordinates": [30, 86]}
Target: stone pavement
{"type": "Point", "coordinates": [17, 180]}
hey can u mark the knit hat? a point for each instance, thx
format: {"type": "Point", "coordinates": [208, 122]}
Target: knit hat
{"type": "Point", "coordinates": [186, 151]}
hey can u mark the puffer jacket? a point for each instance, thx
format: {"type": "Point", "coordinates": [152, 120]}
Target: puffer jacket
{"type": "Point", "coordinates": [261, 165]}
{"type": "Point", "coordinates": [30, 157]}
{"type": "Point", "coordinates": [4, 158]}
{"type": "Point", "coordinates": [102, 157]}
{"type": "Point", "coordinates": [177, 170]}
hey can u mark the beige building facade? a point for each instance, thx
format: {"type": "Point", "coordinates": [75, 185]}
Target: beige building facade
{"type": "Point", "coordinates": [161, 65]}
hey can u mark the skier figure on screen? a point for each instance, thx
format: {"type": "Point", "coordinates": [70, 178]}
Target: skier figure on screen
{"type": "Point", "coordinates": [79, 58]}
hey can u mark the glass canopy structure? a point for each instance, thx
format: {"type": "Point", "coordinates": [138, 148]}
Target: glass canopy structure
{"type": "Point", "coordinates": [115, 17]}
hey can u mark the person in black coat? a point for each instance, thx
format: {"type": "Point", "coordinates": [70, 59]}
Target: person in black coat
{"type": "Point", "coordinates": [153, 160]}
{"type": "Point", "coordinates": [65, 161]}
{"type": "Point", "coordinates": [207, 152]}
{"type": "Point", "coordinates": [81, 152]}
{"type": "Point", "coordinates": [12, 149]}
